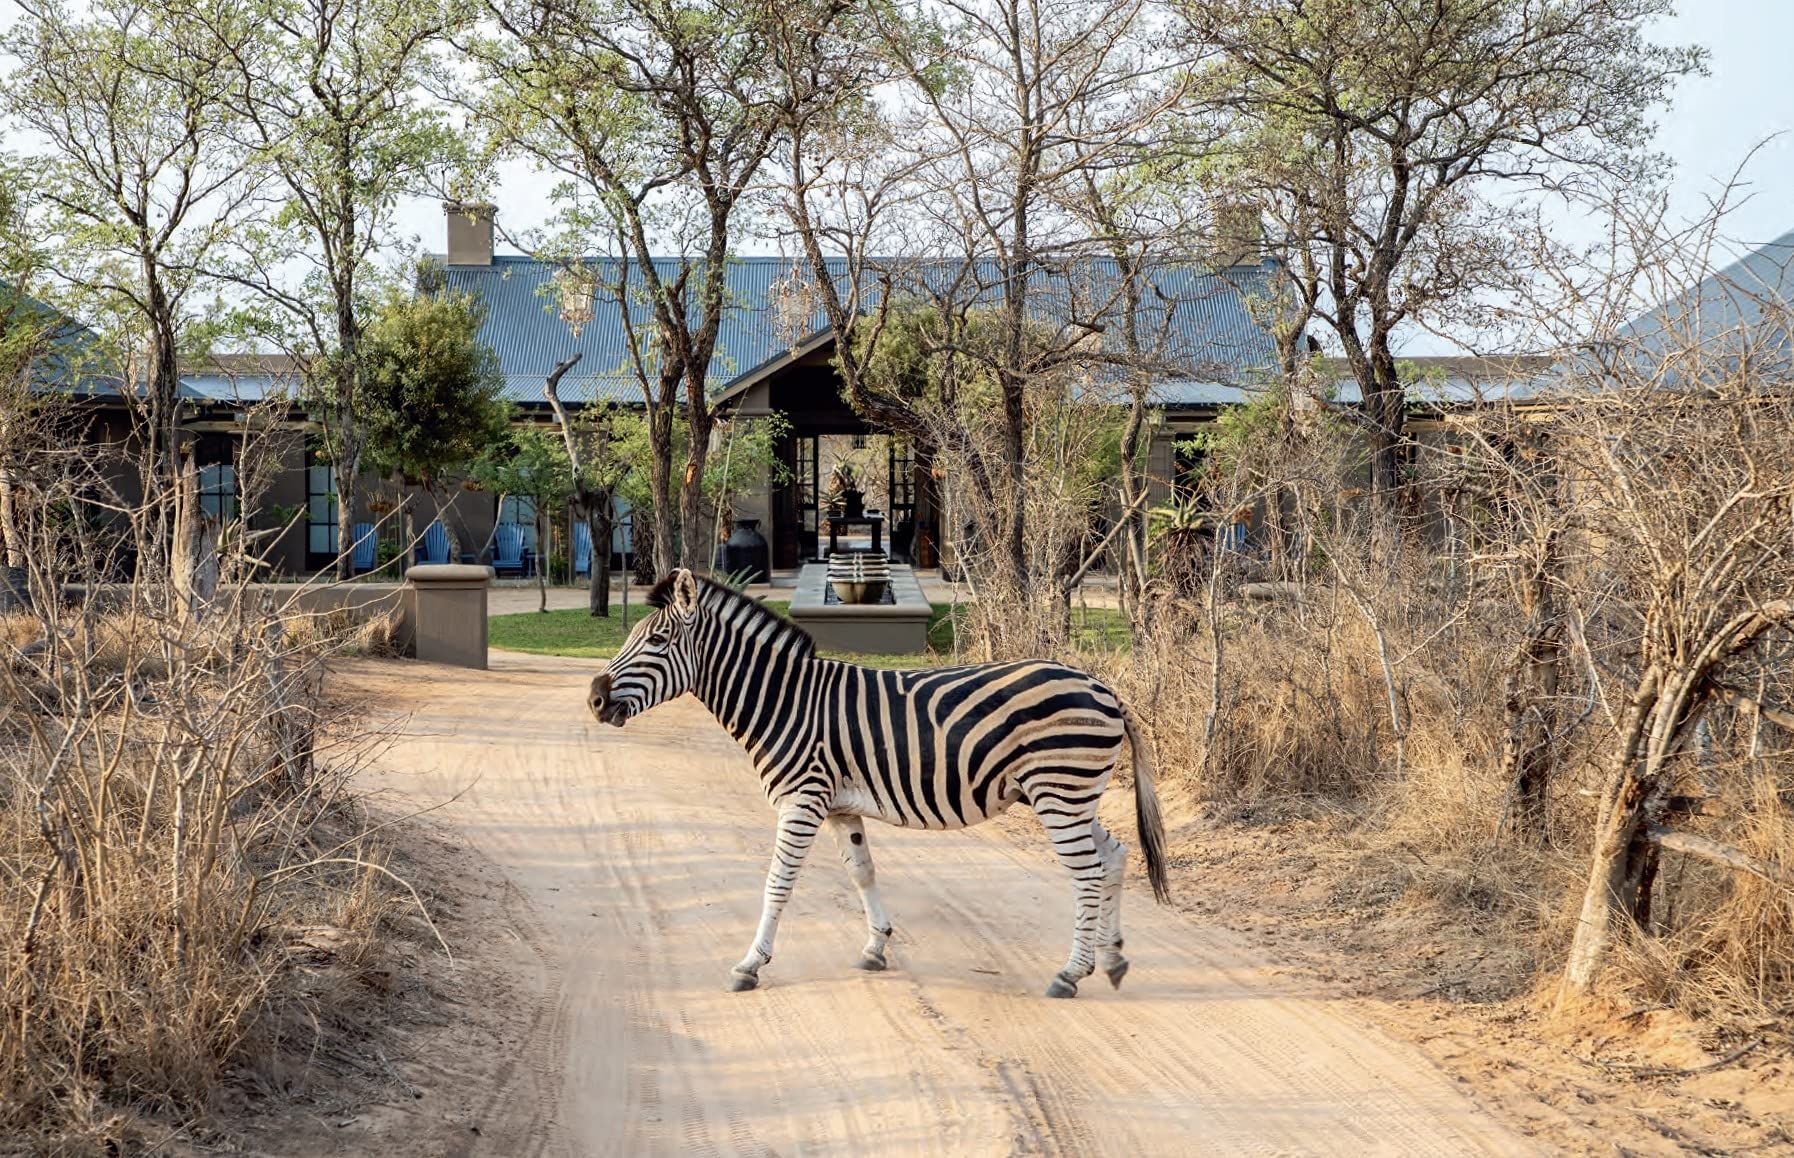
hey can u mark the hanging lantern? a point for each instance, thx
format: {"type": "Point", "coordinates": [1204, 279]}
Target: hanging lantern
{"type": "Point", "coordinates": [573, 285]}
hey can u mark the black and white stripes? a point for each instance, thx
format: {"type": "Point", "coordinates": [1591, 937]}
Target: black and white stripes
{"type": "Point", "coordinates": [934, 748]}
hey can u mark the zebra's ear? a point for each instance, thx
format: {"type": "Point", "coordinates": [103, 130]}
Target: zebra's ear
{"type": "Point", "coordinates": [685, 591]}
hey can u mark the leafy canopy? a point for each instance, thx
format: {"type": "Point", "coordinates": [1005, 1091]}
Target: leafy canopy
{"type": "Point", "coordinates": [431, 390]}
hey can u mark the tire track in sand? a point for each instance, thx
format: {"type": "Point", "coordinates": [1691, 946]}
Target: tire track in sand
{"type": "Point", "coordinates": [641, 855]}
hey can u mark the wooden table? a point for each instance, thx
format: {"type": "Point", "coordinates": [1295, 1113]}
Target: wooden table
{"type": "Point", "coordinates": [874, 523]}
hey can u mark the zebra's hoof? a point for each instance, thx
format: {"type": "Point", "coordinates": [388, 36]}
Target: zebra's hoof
{"type": "Point", "coordinates": [742, 982]}
{"type": "Point", "coordinates": [871, 962]}
{"type": "Point", "coordinates": [1117, 971]}
{"type": "Point", "coordinates": [1062, 988]}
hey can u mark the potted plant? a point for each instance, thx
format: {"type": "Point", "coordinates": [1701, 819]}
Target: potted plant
{"type": "Point", "coordinates": [845, 495]}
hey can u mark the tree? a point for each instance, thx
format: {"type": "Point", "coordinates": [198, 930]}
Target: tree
{"type": "Point", "coordinates": [1015, 108]}
{"type": "Point", "coordinates": [144, 180]}
{"type": "Point", "coordinates": [430, 396]}
{"type": "Point", "coordinates": [1388, 143]}
{"type": "Point", "coordinates": [654, 113]}
{"type": "Point", "coordinates": [532, 464]}
{"type": "Point", "coordinates": [26, 329]}
{"type": "Point", "coordinates": [595, 472]}
{"type": "Point", "coordinates": [336, 114]}
{"type": "Point", "coordinates": [432, 388]}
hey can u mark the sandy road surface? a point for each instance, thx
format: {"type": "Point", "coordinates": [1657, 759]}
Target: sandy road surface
{"type": "Point", "coordinates": [637, 857]}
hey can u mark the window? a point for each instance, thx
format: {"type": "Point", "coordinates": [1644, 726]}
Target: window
{"type": "Point", "coordinates": [903, 475]}
{"type": "Point", "coordinates": [521, 510]}
{"type": "Point", "coordinates": [807, 482]}
{"type": "Point", "coordinates": [218, 490]}
{"type": "Point", "coordinates": [215, 453]}
{"type": "Point", "coordinates": [320, 507]}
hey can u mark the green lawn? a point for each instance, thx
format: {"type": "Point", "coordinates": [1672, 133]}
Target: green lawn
{"type": "Point", "coordinates": [576, 632]}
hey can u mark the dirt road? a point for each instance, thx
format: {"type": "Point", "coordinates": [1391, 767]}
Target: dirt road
{"type": "Point", "coordinates": [637, 858]}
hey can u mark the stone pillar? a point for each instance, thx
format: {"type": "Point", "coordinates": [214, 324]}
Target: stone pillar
{"type": "Point", "coordinates": [449, 604]}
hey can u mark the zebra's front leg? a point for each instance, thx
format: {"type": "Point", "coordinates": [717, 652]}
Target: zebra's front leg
{"type": "Point", "coordinates": [798, 822]}
{"type": "Point", "coordinates": [850, 834]}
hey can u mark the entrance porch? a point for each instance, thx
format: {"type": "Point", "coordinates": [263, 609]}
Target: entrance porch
{"type": "Point", "coordinates": [827, 443]}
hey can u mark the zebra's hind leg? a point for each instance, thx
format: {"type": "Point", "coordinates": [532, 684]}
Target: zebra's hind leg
{"type": "Point", "coordinates": [798, 822]}
{"type": "Point", "coordinates": [850, 834]}
{"type": "Point", "coordinates": [1108, 946]}
{"type": "Point", "coordinates": [1071, 827]}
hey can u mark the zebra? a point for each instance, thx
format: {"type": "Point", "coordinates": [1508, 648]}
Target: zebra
{"type": "Point", "coordinates": [939, 748]}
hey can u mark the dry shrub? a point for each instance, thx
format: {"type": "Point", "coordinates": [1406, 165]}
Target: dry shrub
{"type": "Point", "coordinates": [164, 822]}
{"type": "Point", "coordinates": [350, 630]}
{"type": "Point", "coordinates": [186, 893]}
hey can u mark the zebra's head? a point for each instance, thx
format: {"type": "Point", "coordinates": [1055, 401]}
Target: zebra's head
{"type": "Point", "coordinates": [658, 660]}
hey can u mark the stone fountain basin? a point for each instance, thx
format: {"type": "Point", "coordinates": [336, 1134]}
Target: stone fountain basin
{"type": "Point", "coordinates": [899, 627]}
{"type": "Point", "coordinates": [860, 590]}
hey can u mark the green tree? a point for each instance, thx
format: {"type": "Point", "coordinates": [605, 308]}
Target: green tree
{"type": "Point", "coordinates": [1006, 112]}
{"type": "Point", "coordinates": [656, 115]}
{"type": "Point", "coordinates": [26, 330]}
{"type": "Point", "coordinates": [144, 177]}
{"type": "Point", "coordinates": [431, 390]}
{"type": "Point", "coordinates": [339, 118]}
{"type": "Point", "coordinates": [1390, 146]}
{"type": "Point", "coordinates": [530, 463]}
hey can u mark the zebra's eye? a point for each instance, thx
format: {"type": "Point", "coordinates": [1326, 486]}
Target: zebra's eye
{"type": "Point", "coordinates": [659, 638]}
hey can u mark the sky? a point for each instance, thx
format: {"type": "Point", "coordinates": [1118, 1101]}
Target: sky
{"type": "Point", "coordinates": [1747, 99]}
{"type": "Point", "coordinates": [1708, 131]}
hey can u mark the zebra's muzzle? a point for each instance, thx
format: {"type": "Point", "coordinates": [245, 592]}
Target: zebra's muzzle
{"type": "Point", "coordinates": [606, 708]}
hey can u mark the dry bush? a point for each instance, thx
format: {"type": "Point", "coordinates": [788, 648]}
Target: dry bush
{"type": "Point", "coordinates": [185, 888]}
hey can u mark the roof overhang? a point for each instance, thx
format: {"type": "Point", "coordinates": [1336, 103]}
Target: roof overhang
{"type": "Point", "coordinates": [772, 367]}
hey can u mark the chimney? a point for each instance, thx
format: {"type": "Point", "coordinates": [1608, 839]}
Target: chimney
{"type": "Point", "coordinates": [469, 232]}
{"type": "Point", "coordinates": [1237, 233]}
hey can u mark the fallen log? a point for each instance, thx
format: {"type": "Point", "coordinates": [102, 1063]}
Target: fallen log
{"type": "Point", "coordinates": [1713, 852]}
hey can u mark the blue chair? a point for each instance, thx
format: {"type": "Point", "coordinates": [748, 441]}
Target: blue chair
{"type": "Point", "coordinates": [507, 549]}
{"type": "Point", "coordinates": [361, 557]}
{"type": "Point", "coordinates": [582, 548]}
{"type": "Point", "coordinates": [436, 543]}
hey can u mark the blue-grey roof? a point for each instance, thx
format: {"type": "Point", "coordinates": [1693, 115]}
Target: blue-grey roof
{"type": "Point", "coordinates": [222, 388]}
{"type": "Point", "coordinates": [1743, 309]}
{"type": "Point", "coordinates": [1200, 322]}
{"type": "Point", "coordinates": [67, 362]}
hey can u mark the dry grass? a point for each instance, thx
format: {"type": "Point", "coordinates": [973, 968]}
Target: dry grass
{"type": "Point", "coordinates": [173, 853]}
{"type": "Point", "coordinates": [1304, 734]}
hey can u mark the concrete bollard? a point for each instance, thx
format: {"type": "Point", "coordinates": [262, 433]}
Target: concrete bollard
{"type": "Point", "coordinates": [448, 601]}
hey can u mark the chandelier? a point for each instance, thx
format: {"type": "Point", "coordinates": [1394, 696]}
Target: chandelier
{"type": "Point", "coordinates": [573, 285]}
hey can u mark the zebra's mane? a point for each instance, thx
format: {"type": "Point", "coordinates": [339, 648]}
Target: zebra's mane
{"type": "Point", "coordinates": [751, 611]}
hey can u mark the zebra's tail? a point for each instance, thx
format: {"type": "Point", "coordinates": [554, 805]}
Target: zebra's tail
{"type": "Point", "coordinates": [1147, 820]}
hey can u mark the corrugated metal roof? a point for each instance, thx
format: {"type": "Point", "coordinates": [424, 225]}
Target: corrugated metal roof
{"type": "Point", "coordinates": [1200, 321]}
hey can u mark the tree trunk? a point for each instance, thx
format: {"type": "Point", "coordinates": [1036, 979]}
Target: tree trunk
{"type": "Point", "coordinates": [1131, 559]}
{"type": "Point", "coordinates": [542, 554]}
{"type": "Point", "coordinates": [1384, 408]}
{"type": "Point", "coordinates": [1533, 737]}
{"type": "Point", "coordinates": [660, 488]}
{"type": "Point", "coordinates": [12, 537]}
{"type": "Point", "coordinates": [1607, 901]}
{"type": "Point", "coordinates": [1530, 749]}
{"type": "Point", "coordinates": [696, 548]}
{"type": "Point", "coordinates": [598, 522]}
{"type": "Point", "coordinates": [195, 547]}
{"type": "Point", "coordinates": [346, 472]}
